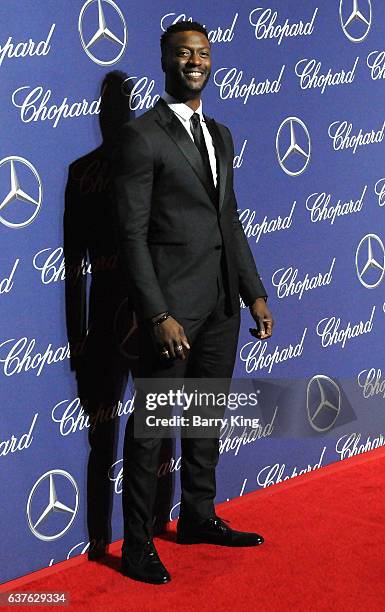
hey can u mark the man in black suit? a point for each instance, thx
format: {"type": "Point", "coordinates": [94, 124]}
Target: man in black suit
{"type": "Point", "coordinates": [187, 260]}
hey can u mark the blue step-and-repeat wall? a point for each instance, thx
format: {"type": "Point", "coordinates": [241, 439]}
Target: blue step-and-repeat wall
{"type": "Point", "coordinates": [301, 86]}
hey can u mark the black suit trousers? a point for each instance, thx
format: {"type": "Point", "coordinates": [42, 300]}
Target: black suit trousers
{"type": "Point", "coordinates": [213, 341]}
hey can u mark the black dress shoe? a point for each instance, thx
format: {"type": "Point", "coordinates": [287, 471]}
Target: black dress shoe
{"type": "Point", "coordinates": [97, 550]}
{"type": "Point", "coordinates": [215, 531]}
{"type": "Point", "coordinates": [141, 562]}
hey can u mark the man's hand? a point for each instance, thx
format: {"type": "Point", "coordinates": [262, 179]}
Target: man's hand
{"type": "Point", "coordinates": [263, 318]}
{"type": "Point", "coordinates": [170, 336]}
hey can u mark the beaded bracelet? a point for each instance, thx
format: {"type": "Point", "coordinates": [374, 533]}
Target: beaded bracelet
{"type": "Point", "coordinates": [164, 316]}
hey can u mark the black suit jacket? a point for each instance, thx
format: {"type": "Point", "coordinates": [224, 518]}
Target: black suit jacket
{"type": "Point", "coordinates": [173, 226]}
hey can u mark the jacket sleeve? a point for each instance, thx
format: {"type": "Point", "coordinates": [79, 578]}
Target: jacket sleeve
{"type": "Point", "coordinates": [250, 283]}
{"type": "Point", "coordinates": [132, 181]}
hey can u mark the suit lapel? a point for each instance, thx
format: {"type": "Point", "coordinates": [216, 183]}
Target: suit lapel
{"type": "Point", "coordinates": [175, 130]}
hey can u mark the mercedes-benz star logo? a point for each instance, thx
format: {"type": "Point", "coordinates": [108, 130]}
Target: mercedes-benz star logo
{"type": "Point", "coordinates": [293, 146]}
{"type": "Point", "coordinates": [15, 193]}
{"type": "Point", "coordinates": [103, 32]}
{"type": "Point", "coordinates": [371, 266]}
{"type": "Point", "coordinates": [39, 514]}
{"type": "Point", "coordinates": [357, 20]}
{"type": "Point", "coordinates": [323, 402]}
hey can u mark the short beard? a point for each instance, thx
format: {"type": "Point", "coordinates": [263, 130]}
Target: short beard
{"type": "Point", "coordinates": [184, 92]}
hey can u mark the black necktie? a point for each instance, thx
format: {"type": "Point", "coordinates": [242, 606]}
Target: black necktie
{"type": "Point", "coordinates": [199, 140]}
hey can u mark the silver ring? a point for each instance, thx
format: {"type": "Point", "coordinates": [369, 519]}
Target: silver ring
{"type": "Point", "coordinates": [164, 352]}
{"type": "Point", "coordinates": [179, 347]}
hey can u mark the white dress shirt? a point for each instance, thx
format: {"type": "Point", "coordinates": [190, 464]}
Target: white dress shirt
{"type": "Point", "coordinates": [184, 114]}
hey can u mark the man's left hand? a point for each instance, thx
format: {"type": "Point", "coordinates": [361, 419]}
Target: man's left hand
{"type": "Point", "coordinates": [263, 318]}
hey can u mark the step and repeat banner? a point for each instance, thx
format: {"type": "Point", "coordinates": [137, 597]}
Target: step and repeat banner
{"type": "Point", "coordinates": [301, 86]}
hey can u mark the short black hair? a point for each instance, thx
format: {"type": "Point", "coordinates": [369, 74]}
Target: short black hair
{"type": "Point", "coordinates": [181, 26]}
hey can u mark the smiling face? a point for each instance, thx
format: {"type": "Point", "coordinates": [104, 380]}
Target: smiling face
{"type": "Point", "coordinates": [187, 64]}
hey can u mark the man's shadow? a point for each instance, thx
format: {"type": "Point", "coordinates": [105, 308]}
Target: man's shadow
{"type": "Point", "coordinates": [101, 322]}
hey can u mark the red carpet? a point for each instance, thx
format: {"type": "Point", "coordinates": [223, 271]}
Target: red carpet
{"type": "Point", "coordinates": [324, 550]}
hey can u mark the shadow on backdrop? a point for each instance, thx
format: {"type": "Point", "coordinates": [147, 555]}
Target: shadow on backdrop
{"type": "Point", "coordinates": [101, 323]}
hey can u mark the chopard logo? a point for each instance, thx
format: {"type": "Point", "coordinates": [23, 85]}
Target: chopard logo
{"type": "Point", "coordinates": [34, 106]}
{"type": "Point", "coordinates": [356, 19]}
{"type": "Point", "coordinates": [23, 49]}
{"type": "Point", "coordinates": [229, 82]}
{"type": "Point", "coordinates": [231, 443]}
{"type": "Point", "coordinates": [18, 356]}
{"type": "Point", "coordinates": [17, 215]}
{"type": "Point", "coordinates": [285, 279]}
{"type": "Point", "coordinates": [340, 134]}
{"type": "Point", "coordinates": [371, 383]}
{"type": "Point", "coordinates": [255, 355]}
{"type": "Point", "coordinates": [228, 442]}
{"type": "Point", "coordinates": [109, 44]}
{"type": "Point", "coordinates": [370, 261]}
{"type": "Point", "coordinates": [272, 474]}
{"type": "Point", "coordinates": [320, 209]}
{"type": "Point", "coordinates": [349, 445]}
{"type": "Point", "coordinates": [140, 94]}
{"type": "Point", "coordinates": [256, 230]}
{"type": "Point", "coordinates": [215, 35]}
{"type": "Point", "coordinates": [328, 329]}
{"type": "Point", "coordinates": [263, 21]}
{"type": "Point", "coordinates": [51, 265]}
{"type": "Point", "coordinates": [309, 75]}
{"type": "Point", "coordinates": [376, 62]}
{"type": "Point", "coordinates": [71, 418]}
{"type": "Point", "coordinates": [293, 146]}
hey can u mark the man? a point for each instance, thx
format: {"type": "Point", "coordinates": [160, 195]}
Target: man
{"type": "Point", "coordinates": [187, 259]}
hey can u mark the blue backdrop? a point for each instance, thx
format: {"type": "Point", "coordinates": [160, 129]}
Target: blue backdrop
{"type": "Point", "coordinates": [301, 86]}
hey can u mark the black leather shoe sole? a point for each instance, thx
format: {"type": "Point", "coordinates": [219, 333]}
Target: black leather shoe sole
{"type": "Point", "coordinates": [241, 543]}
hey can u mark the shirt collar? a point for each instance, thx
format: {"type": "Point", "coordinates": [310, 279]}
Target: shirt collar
{"type": "Point", "coordinates": [181, 109]}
